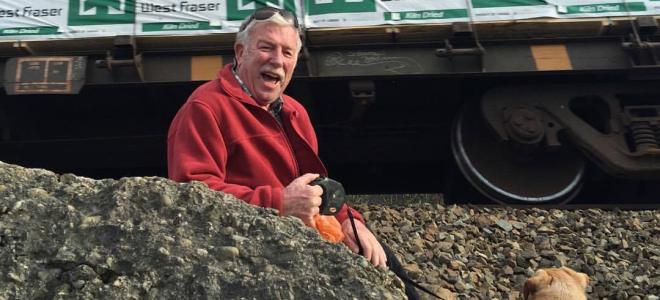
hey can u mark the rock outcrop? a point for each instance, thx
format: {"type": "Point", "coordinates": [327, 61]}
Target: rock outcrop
{"type": "Point", "coordinates": [63, 236]}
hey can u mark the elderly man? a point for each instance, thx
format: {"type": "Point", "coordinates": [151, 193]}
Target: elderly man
{"type": "Point", "coordinates": [241, 135]}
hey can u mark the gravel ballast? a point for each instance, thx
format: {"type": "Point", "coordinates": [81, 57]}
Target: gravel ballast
{"type": "Point", "coordinates": [485, 253]}
{"type": "Point", "coordinates": [65, 237]}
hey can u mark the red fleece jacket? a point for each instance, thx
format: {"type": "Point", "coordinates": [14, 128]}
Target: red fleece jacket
{"type": "Point", "coordinates": [221, 137]}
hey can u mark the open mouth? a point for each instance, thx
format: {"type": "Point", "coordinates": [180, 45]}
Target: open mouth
{"type": "Point", "coordinates": [271, 77]}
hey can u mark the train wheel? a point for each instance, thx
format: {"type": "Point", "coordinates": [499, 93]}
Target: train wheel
{"type": "Point", "coordinates": [504, 175]}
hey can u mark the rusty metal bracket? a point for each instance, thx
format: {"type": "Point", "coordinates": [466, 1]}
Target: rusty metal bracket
{"type": "Point", "coordinates": [23, 47]}
{"type": "Point", "coordinates": [464, 42]}
{"type": "Point", "coordinates": [394, 33]}
{"type": "Point", "coordinates": [123, 54]}
{"type": "Point", "coordinates": [307, 60]}
{"type": "Point", "coordinates": [641, 51]}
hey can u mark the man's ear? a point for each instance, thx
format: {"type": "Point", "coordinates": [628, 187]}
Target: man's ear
{"type": "Point", "coordinates": [238, 51]}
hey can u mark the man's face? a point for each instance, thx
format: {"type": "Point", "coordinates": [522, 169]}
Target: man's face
{"type": "Point", "coordinates": [266, 62]}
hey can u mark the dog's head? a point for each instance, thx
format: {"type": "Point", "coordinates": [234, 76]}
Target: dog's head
{"type": "Point", "coordinates": [556, 283]}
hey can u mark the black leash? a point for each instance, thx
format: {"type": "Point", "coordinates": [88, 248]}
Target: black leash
{"type": "Point", "coordinates": [399, 272]}
{"type": "Point", "coordinates": [333, 198]}
{"type": "Point", "coordinates": [357, 239]}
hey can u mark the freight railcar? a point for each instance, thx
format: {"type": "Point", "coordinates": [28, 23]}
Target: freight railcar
{"type": "Point", "coordinates": [529, 110]}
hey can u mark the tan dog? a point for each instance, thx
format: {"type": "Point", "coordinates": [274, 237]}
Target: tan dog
{"type": "Point", "coordinates": [556, 284]}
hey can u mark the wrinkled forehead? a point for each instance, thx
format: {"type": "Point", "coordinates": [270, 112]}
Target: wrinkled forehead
{"type": "Point", "coordinates": [274, 33]}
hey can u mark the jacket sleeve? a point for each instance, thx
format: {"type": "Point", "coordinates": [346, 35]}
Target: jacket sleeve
{"type": "Point", "coordinates": [196, 151]}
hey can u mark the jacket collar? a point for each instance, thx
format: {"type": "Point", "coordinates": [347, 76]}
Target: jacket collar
{"type": "Point", "coordinates": [232, 87]}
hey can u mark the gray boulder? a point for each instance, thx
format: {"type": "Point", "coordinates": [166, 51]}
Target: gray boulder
{"type": "Point", "coordinates": [151, 238]}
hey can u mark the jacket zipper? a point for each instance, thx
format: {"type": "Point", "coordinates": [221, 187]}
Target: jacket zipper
{"type": "Point", "coordinates": [288, 143]}
{"type": "Point", "coordinates": [286, 138]}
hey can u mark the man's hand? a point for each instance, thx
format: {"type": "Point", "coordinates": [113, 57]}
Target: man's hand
{"type": "Point", "coordinates": [373, 251]}
{"type": "Point", "coordinates": [302, 200]}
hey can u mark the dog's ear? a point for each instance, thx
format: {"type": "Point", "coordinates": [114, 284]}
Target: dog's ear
{"type": "Point", "coordinates": [539, 280]}
{"type": "Point", "coordinates": [528, 289]}
{"type": "Point", "coordinates": [585, 280]}
{"type": "Point", "coordinates": [581, 278]}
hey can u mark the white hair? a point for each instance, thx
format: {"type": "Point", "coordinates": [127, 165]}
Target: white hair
{"type": "Point", "coordinates": [242, 37]}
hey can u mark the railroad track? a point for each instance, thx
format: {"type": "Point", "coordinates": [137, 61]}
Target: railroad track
{"type": "Point", "coordinates": [602, 206]}
{"type": "Point", "coordinates": [576, 204]}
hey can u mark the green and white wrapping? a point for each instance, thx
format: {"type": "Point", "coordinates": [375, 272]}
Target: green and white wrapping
{"type": "Point", "coordinates": [653, 6]}
{"type": "Point", "coordinates": [342, 13]}
{"type": "Point", "coordinates": [168, 17]}
{"type": "Point", "coordinates": [56, 19]}
{"type": "Point", "coordinates": [66, 19]}
{"type": "Point", "coordinates": [602, 8]}
{"type": "Point", "coordinates": [43, 19]}
{"type": "Point", "coordinates": [346, 13]}
{"type": "Point", "coordinates": [502, 10]}
{"type": "Point", "coordinates": [201, 16]}
{"type": "Point", "coordinates": [339, 13]}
